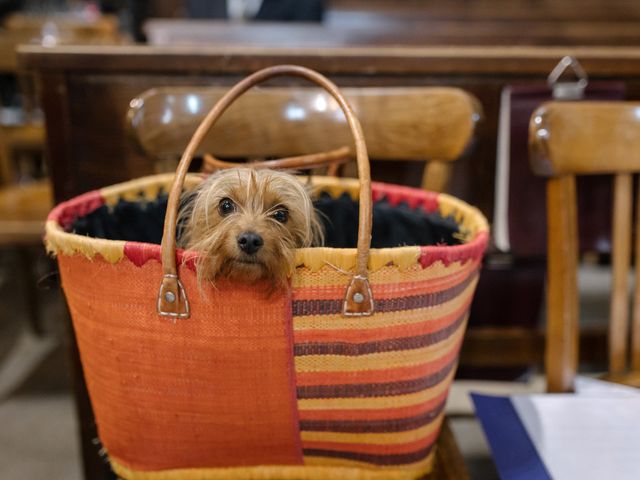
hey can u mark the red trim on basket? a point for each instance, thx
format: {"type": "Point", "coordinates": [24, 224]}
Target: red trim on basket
{"type": "Point", "coordinates": [413, 197]}
{"type": "Point", "coordinates": [457, 253]}
{"type": "Point", "coordinates": [140, 253]}
{"type": "Point", "coordinates": [67, 212]}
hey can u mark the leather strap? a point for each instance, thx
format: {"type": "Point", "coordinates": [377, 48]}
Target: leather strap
{"type": "Point", "coordinates": [333, 158]}
{"type": "Point", "coordinates": [172, 300]}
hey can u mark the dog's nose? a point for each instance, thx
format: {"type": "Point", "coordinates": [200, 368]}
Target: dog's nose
{"type": "Point", "coordinates": [250, 242]}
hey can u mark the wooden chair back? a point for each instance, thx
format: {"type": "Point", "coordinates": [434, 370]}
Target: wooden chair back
{"type": "Point", "coordinates": [23, 212]}
{"type": "Point", "coordinates": [399, 123]}
{"type": "Point", "coordinates": [23, 206]}
{"type": "Point", "coordinates": [582, 138]}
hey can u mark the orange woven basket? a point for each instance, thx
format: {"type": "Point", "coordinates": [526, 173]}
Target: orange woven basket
{"type": "Point", "coordinates": [343, 376]}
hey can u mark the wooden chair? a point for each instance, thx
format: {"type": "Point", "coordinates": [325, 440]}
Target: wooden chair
{"type": "Point", "coordinates": [14, 139]}
{"type": "Point", "coordinates": [421, 124]}
{"type": "Point", "coordinates": [583, 138]}
{"type": "Point", "coordinates": [20, 28]}
{"type": "Point", "coordinates": [23, 208]}
{"type": "Point", "coordinates": [23, 211]}
{"type": "Point", "coordinates": [432, 125]}
{"type": "Point", "coordinates": [72, 28]}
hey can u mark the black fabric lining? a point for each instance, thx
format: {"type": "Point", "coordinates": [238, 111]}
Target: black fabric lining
{"type": "Point", "coordinates": [393, 225]}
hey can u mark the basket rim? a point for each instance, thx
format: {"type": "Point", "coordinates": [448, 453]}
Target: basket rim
{"type": "Point", "coordinates": [472, 222]}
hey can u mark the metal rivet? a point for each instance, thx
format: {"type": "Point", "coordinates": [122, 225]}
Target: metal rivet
{"type": "Point", "coordinates": [170, 297]}
{"type": "Point", "coordinates": [358, 297]}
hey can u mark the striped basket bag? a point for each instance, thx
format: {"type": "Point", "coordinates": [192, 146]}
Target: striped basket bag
{"type": "Point", "coordinates": [342, 376]}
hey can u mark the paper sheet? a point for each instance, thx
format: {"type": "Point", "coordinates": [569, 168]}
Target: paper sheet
{"type": "Point", "coordinates": [590, 435]}
{"type": "Point", "coordinates": [593, 387]}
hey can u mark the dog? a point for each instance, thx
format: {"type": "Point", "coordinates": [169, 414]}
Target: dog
{"type": "Point", "coordinates": [246, 223]}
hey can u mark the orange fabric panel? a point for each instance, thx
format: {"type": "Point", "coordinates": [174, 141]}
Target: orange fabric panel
{"type": "Point", "coordinates": [213, 390]}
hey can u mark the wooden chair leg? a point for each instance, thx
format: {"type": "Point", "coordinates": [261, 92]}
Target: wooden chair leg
{"type": "Point", "coordinates": [30, 288]}
{"type": "Point", "coordinates": [561, 359]}
{"type": "Point", "coordinates": [436, 176]}
{"type": "Point", "coordinates": [621, 260]}
{"type": "Point", "coordinates": [449, 463]}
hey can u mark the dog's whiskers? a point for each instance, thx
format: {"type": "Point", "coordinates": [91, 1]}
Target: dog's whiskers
{"type": "Point", "coordinates": [220, 236]}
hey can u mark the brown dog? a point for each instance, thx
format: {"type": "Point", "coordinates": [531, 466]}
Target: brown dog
{"type": "Point", "coordinates": [246, 224]}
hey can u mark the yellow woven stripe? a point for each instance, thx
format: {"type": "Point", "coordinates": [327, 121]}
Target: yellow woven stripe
{"type": "Point", "coordinates": [336, 186]}
{"type": "Point", "coordinates": [416, 273]}
{"type": "Point", "coordinates": [149, 186]}
{"type": "Point", "coordinates": [384, 319]}
{"type": "Point", "coordinates": [316, 259]}
{"type": "Point", "coordinates": [327, 269]}
{"type": "Point", "coordinates": [470, 219]}
{"type": "Point", "coordinates": [284, 472]}
{"type": "Point", "coordinates": [422, 467]}
{"type": "Point", "coordinates": [378, 361]}
{"type": "Point", "coordinates": [60, 242]}
{"type": "Point", "coordinates": [345, 258]}
{"type": "Point", "coordinates": [374, 438]}
{"type": "Point", "coordinates": [375, 403]}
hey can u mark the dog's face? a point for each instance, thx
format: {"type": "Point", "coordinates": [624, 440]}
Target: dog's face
{"type": "Point", "coordinates": [246, 225]}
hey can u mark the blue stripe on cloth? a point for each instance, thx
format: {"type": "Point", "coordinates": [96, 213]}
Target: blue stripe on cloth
{"type": "Point", "coordinates": [513, 452]}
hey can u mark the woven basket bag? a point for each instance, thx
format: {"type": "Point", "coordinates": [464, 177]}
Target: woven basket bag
{"type": "Point", "coordinates": [343, 376]}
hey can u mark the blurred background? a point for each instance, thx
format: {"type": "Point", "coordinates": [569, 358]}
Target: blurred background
{"type": "Point", "coordinates": [70, 72]}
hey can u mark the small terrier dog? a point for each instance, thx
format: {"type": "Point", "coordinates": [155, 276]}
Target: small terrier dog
{"type": "Point", "coordinates": [246, 224]}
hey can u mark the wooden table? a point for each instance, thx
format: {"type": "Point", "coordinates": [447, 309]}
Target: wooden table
{"type": "Point", "coordinates": [85, 93]}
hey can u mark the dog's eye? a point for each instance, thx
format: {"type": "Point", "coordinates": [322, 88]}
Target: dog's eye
{"type": "Point", "coordinates": [281, 215]}
{"type": "Point", "coordinates": [226, 206]}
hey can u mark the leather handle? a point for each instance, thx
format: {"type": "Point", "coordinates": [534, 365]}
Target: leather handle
{"type": "Point", "coordinates": [172, 301]}
{"type": "Point", "coordinates": [333, 158]}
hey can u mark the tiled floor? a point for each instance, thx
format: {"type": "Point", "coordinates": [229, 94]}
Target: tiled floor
{"type": "Point", "coordinates": [38, 438]}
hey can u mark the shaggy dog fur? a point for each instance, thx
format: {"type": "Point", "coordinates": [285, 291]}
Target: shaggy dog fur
{"type": "Point", "coordinates": [245, 225]}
